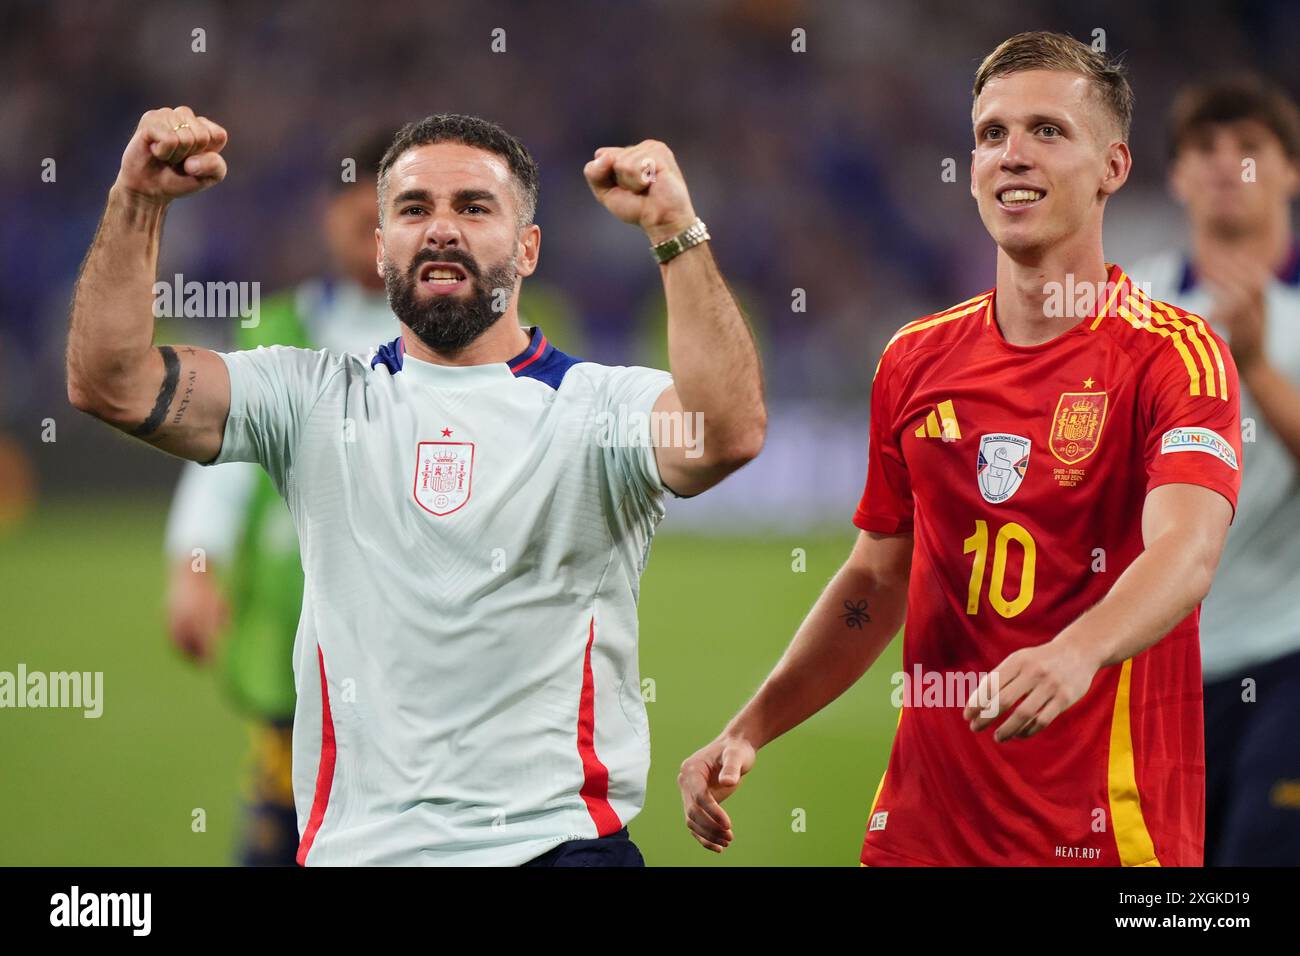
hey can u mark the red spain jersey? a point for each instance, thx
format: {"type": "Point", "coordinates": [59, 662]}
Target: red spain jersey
{"type": "Point", "coordinates": [1022, 472]}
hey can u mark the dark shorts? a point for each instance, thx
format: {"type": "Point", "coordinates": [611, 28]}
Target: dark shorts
{"type": "Point", "coordinates": [617, 849]}
{"type": "Point", "coordinates": [269, 830]}
{"type": "Point", "coordinates": [1252, 767]}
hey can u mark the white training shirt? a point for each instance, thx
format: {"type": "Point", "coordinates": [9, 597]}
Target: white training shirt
{"type": "Point", "coordinates": [473, 541]}
{"type": "Point", "coordinates": [210, 507]}
{"type": "Point", "coordinates": [1251, 614]}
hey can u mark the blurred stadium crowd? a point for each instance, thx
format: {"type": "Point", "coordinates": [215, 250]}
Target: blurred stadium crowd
{"type": "Point", "coordinates": [821, 171]}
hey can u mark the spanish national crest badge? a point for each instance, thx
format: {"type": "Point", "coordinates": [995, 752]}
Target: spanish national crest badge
{"type": "Point", "coordinates": [443, 473]}
{"type": "Point", "coordinates": [1077, 424]}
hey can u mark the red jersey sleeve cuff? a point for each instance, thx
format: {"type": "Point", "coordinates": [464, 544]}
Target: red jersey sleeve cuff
{"type": "Point", "coordinates": [882, 524]}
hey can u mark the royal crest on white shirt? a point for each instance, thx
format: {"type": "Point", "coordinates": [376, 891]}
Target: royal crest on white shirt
{"type": "Point", "coordinates": [444, 472]}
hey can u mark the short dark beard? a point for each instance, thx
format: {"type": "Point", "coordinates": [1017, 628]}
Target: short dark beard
{"type": "Point", "coordinates": [448, 325]}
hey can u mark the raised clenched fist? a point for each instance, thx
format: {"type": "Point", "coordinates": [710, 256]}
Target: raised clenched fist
{"type": "Point", "coordinates": [642, 185]}
{"type": "Point", "coordinates": [172, 154]}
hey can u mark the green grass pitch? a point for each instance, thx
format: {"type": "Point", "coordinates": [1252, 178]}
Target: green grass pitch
{"type": "Point", "coordinates": [82, 589]}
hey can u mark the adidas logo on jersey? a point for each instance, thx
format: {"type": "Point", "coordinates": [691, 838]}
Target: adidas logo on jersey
{"type": "Point", "coordinates": [941, 425]}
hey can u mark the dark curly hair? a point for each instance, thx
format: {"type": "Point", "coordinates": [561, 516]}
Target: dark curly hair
{"type": "Point", "coordinates": [471, 131]}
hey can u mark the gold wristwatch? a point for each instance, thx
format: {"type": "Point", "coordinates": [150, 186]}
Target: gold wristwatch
{"type": "Point", "coordinates": [692, 235]}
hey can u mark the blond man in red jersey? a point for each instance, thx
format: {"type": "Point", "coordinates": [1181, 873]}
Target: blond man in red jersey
{"type": "Point", "coordinates": [1053, 468]}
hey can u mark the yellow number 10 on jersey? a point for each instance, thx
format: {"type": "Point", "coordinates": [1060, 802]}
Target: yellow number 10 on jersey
{"type": "Point", "coordinates": [979, 543]}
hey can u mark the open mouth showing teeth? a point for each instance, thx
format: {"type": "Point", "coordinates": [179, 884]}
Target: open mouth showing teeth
{"type": "Point", "coordinates": [441, 274]}
{"type": "Point", "coordinates": [1020, 197]}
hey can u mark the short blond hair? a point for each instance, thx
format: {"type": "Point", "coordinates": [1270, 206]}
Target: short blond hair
{"type": "Point", "coordinates": [1042, 50]}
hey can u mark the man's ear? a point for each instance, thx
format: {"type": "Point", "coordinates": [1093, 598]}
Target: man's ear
{"type": "Point", "coordinates": [529, 249]}
{"type": "Point", "coordinates": [379, 252]}
{"type": "Point", "coordinates": [973, 193]}
{"type": "Point", "coordinates": [1119, 163]}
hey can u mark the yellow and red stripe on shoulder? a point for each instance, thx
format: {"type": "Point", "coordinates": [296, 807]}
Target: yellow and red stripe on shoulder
{"type": "Point", "coordinates": [1186, 333]}
{"type": "Point", "coordinates": [962, 310]}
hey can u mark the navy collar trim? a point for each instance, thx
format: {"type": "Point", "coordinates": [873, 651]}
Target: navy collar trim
{"type": "Point", "coordinates": [390, 355]}
{"type": "Point", "coordinates": [538, 350]}
{"type": "Point", "coordinates": [540, 359]}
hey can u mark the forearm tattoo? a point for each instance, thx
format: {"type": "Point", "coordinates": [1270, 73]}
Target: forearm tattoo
{"type": "Point", "coordinates": [166, 394]}
{"type": "Point", "coordinates": [855, 614]}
